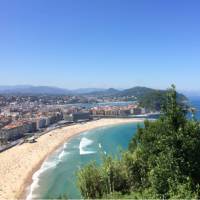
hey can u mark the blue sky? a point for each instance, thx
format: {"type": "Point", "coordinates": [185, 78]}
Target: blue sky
{"type": "Point", "coordinates": [100, 43]}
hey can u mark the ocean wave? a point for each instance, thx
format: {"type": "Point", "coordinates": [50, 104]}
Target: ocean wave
{"type": "Point", "coordinates": [65, 146]}
{"type": "Point", "coordinates": [47, 164]}
{"type": "Point", "coordinates": [36, 176]}
{"type": "Point", "coordinates": [85, 142]}
{"type": "Point", "coordinates": [61, 155]}
{"type": "Point", "coordinates": [63, 152]}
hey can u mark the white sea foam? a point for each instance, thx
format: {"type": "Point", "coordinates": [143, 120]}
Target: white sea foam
{"type": "Point", "coordinates": [100, 146]}
{"type": "Point", "coordinates": [35, 184]}
{"type": "Point", "coordinates": [63, 152]}
{"type": "Point", "coordinates": [105, 152]}
{"type": "Point", "coordinates": [85, 142]}
{"type": "Point", "coordinates": [65, 146]}
{"type": "Point", "coordinates": [61, 155]}
{"type": "Point", "coordinates": [47, 164]}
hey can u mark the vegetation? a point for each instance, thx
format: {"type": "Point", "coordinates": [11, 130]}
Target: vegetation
{"type": "Point", "coordinates": [62, 197]}
{"type": "Point", "coordinates": [153, 100]}
{"type": "Point", "coordinates": [162, 162]}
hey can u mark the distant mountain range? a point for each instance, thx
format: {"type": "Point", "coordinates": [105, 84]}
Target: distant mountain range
{"type": "Point", "coordinates": [46, 90]}
{"type": "Point", "coordinates": [28, 89]}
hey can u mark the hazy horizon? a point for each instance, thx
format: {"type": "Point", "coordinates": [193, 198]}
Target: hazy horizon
{"type": "Point", "coordinates": [186, 92]}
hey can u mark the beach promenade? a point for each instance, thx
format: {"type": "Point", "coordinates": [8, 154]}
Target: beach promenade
{"type": "Point", "coordinates": [18, 164]}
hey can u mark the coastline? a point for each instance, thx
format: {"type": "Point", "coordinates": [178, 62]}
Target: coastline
{"type": "Point", "coordinates": [18, 164]}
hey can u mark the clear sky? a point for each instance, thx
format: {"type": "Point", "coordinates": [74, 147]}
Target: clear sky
{"type": "Point", "coordinates": [100, 43]}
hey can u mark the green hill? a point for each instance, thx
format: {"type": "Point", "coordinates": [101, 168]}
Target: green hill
{"type": "Point", "coordinates": [149, 98]}
{"type": "Point", "coordinates": [153, 100]}
{"type": "Point", "coordinates": [136, 91]}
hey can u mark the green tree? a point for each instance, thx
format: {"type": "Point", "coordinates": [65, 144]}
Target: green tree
{"type": "Point", "coordinates": [116, 175]}
{"type": "Point", "coordinates": [163, 160]}
{"type": "Point", "coordinates": [91, 182]}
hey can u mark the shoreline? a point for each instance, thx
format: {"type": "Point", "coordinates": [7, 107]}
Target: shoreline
{"type": "Point", "coordinates": [18, 164]}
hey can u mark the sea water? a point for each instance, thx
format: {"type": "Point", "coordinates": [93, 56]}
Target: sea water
{"type": "Point", "coordinates": [57, 175]}
{"type": "Point", "coordinates": [195, 102]}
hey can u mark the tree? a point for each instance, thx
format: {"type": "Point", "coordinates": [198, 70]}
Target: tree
{"type": "Point", "coordinates": [163, 160]}
{"type": "Point", "coordinates": [91, 182]}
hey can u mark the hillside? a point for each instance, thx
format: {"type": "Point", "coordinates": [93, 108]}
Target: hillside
{"type": "Point", "coordinates": [106, 92]}
{"type": "Point", "coordinates": [136, 91]}
{"type": "Point", "coordinates": [147, 97]}
{"type": "Point", "coordinates": [153, 100]}
{"type": "Point", "coordinates": [33, 90]}
{"type": "Point", "coordinates": [38, 90]}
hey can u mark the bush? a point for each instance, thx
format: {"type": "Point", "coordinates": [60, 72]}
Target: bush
{"type": "Point", "coordinates": [163, 161]}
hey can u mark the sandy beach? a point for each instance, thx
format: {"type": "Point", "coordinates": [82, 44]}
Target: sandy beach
{"type": "Point", "coordinates": [18, 164]}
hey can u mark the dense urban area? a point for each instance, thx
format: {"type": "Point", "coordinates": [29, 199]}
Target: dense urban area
{"type": "Point", "coordinates": [25, 117]}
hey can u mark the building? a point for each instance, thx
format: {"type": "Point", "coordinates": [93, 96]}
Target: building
{"type": "Point", "coordinates": [4, 121]}
{"type": "Point", "coordinates": [125, 112]}
{"type": "Point", "coordinates": [17, 130]}
{"type": "Point", "coordinates": [137, 111]}
{"type": "Point", "coordinates": [68, 117]}
{"type": "Point", "coordinates": [31, 126]}
{"type": "Point", "coordinates": [12, 132]}
{"type": "Point", "coordinates": [41, 123]}
{"type": "Point", "coordinates": [81, 116]}
{"type": "Point", "coordinates": [48, 121]}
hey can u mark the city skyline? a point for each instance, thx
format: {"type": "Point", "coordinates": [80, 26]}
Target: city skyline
{"type": "Point", "coordinates": [100, 44]}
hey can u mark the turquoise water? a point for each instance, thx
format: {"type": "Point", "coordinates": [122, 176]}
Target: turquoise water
{"type": "Point", "coordinates": [57, 175]}
{"type": "Point", "coordinates": [195, 102]}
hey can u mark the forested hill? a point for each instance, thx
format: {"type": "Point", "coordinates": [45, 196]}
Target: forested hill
{"type": "Point", "coordinates": [149, 98]}
{"type": "Point", "coordinates": [144, 92]}
{"type": "Point", "coordinates": [154, 99]}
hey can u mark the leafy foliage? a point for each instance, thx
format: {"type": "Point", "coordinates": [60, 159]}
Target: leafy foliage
{"type": "Point", "coordinates": [91, 182]}
{"type": "Point", "coordinates": [163, 161]}
{"type": "Point", "coordinates": [153, 100]}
